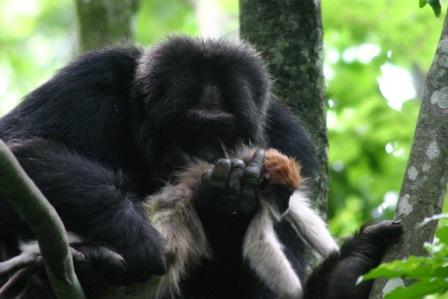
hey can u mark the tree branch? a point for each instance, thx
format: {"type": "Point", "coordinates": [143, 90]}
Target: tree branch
{"type": "Point", "coordinates": [424, 184]}
{"type": "Point", "coordinates": [24, 260]}
{"type": "Point", "coordinates": [34, 209]}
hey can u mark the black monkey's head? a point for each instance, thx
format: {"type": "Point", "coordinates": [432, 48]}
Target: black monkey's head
{"type": "Point", "coordinates": [198, 96]}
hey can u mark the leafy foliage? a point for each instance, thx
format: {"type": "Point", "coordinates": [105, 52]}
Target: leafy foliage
{"type": "Point", "coordinates": [371, 45]}
{"type": "Point", "coordinates": [435, 4]}
{"type": "Point", "coordinates": [429, 275]}
{"type": "Point", "coordinates": [36, 37]}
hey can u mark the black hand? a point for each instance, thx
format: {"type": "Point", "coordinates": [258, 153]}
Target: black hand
{"type": "Point", "coordinates": [144, 256]}
{"type": "Point", "coordinates": [131, 264]}
{"type": "Point", "coordinates": [230, 188]}
{"type": "Point", "coordinates": [373, 239]}
{"type": "Point", "coordinates": [337, 276]}
{"type": "Point", "coordinates": [96, 265]}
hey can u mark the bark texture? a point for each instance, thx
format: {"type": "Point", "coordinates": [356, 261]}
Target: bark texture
{"type": "Point", "coordinates": [105, 22]}
{"type": "Point", "coordinates": [288, 33]}
{"type": "Point", "coordinates": [425, 180]}
{"type": "Point", "coordinates": [31, 205]}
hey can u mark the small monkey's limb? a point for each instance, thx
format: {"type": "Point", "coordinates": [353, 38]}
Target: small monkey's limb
{"type": "Point", "coordinates": [280, 177]}
{"type": "Point", "coordinates": [172, 213]}
{"type": "Point", "coordinates": [281, 191]}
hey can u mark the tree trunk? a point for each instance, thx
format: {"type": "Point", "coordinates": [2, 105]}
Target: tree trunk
{"type": "Point", "coordinates": [104, 22]}
{"type": "Point", "coordinates": [424, 184]}
{"type": "Point", "coordinates": [289, 35]}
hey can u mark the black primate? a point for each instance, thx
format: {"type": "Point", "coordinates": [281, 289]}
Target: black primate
{"type": "Point", "coordinates": [113, 127]}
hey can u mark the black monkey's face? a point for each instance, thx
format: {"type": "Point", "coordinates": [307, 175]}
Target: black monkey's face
{"type": "Point", "coordinates": [201, 95]}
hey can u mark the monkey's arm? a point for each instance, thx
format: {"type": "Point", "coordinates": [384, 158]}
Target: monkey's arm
{"type": "Point", "coordinates": [91, 202]}
{"type": "Point", "coordinates": [337, 275]}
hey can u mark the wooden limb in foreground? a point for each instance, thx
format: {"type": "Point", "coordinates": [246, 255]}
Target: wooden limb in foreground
{"type": "Point", "coordinates": [16, 284]}
{"type": "Point", "coordinates": [424, 184]}
{"type": "Point", "coordinates": [34, 209]}
{"type": "Point", "coordinates": [24, 260]}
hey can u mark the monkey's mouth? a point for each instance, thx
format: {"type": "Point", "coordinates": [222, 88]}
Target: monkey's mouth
{"type": "Point", "coordinates": [210, 116]}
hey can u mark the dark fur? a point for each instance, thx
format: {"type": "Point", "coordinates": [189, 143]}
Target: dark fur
{"type": "Point", "coordinates": [111, 128]}
{"type": "Point", "coordinates": [337, 276]}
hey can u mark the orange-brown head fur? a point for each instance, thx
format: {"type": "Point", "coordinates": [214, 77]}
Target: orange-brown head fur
{"type": "Point", "coordinates": [280, 169]}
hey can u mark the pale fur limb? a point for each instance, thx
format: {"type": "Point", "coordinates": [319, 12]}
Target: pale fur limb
{"type": "Point", "coordinates": [309, 224]}
{"type": "Point", "coordinates": [172, 213]}
{"type": "Point", "coordinates": [263, 249]}
{"type": "Point", "coordinates": [264, 252]}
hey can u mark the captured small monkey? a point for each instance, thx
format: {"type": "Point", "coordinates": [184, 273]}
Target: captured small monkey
{"type": "Point", "coordinates": [277, 180]}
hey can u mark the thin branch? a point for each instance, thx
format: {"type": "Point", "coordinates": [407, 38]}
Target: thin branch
{"type": "Point", "coordinates": [424, 184]}
{"type": "Point", "coordinates": [16, 283]}
{"type": "Point", "coordinates": [34, 209]}
{"type": "Point", "coordinates": [25, 259]}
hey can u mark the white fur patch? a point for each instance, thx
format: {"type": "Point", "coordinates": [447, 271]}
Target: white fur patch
{"type": "Point", "coordinates": [172, 213]}
{"type": "Point", "coordinates": [264, 250]}
{"type": "Point", "coordinates": [265, 254]}
{"type": "Point", "coordinates": [309, 224]}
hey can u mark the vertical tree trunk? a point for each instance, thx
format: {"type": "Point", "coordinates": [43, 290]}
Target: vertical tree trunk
{"type": "Point", "coordinates": [424, 184]}
{"type": "Point", "coordinates": [289, 35]}
{"type": "Point", "coordinates": [104, 22]}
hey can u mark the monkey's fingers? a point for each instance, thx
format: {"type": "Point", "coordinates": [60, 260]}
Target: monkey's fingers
{"type": "Point", "coordinates": [254, 168]}
{"type": "Point", "coordinates": [235, 175]}
{"type": "Point", "coordinates": [387, 230]}
{"type": "Point", "coordinates": [218, 176]}
{"type": "Point", "coordinates": [110, 264]}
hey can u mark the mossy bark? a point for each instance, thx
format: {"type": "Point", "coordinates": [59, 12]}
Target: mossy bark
{"type": "Point", "coordinates": [289, 35]}
{"type": "Point", "coordinates": [105, 22]}
{"type": "Point", "coordinates": [425, 180]}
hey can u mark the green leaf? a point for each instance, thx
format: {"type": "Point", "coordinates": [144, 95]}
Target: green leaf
{"type": "Point", "coordinates": [419, 289]}
{"type": "Point", "coordinates": [442, 234]}
{"type": "Point", "coordinates": [435, 4]}
{"type": "Point", "coordinates": [412, 267]}
{"type": "Point", "coordinates": [441, 272]}
{"type": "Point", "coordinates": [423, 3]}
